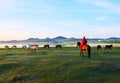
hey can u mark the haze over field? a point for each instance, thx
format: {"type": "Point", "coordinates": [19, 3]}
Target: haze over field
{"type": "Point", "coordinates": [22, 19]}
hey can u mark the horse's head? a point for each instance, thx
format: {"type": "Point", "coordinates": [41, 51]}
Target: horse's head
{"type": "Point", "coordinates": [111, 45]}
{"type": "Point", "coordinates": [78, 44]}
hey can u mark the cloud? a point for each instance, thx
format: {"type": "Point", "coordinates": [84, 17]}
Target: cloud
{"type": "Point", "coordinates": [22, 29]}
{"type": "Point", "coordinates": [26, 6]}
{"type": "Point", "coordinates": [42, 28]}
{"type": "Point", "coordinates": [101, 18]}
{"type": "Point", "coordinates": [105, 31]}
{"type": "Point", "coordinates": [102, 3]}
{"type": "Point", "coordinates": [47, 19]}
{"type": "Point", "coordinates": [6, 4]}
{"type": "Point", "coordinates": [108, 5]}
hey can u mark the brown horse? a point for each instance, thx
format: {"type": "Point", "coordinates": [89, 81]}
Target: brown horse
{"type": "Point", "coordinates": [84, 48]}
{"type": "Point", "coordinates": [6, 47]}
{"type": "Point", "coordinates": [99, 47]}
{"type": "Point", "coordinates": [32, 48]}
{"type": "Point", "coordinates": [46, 46]}
{"type": "Point", "coordinates": [14, 46]}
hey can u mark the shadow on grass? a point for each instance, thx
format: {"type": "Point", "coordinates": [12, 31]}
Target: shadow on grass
{"type": "Point", "coordinates": [7, 67]}
{"type": "Point", "coordinates": [23, 79]}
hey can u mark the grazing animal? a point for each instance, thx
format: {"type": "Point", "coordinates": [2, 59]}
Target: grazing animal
{"type": "Point", "coordinates": [14, 46]}
{"type": "Point", "coordinates": [46, 46]}
{"type": "Point", "coordinates": [99, 47]}
{"type": "Point", "coordinates": [58, 46]}
{"type": "Point", "coordinates": [6, 47]}
{"type": "Point", "coordinates": [32, 48]}
{"type": "Point", "coordinates": [108, 48]}
{"type": "Point", "coordinates": [24, 47]}
{"type": "Point", "coordinates": [84, 48]}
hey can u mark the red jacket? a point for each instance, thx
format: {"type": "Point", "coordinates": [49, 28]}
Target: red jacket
{"type": "Point", "coordinates": [83, 42]}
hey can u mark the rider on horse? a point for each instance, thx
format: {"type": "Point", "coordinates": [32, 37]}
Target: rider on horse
{"type": "Point", "coordinates": [83, 42]}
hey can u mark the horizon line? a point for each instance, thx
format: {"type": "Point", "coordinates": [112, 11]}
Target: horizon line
{"type": "Point", "coordinates": [61, 36]}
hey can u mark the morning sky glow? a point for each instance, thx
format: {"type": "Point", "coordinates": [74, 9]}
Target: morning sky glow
{"type": "Point", "coordinates": [22, 19]}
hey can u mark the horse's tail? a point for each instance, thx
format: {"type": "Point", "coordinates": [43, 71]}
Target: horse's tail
{"type": "Point", "coordinates": [89, 51]}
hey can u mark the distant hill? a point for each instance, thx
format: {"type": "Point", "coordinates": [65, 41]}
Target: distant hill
{"type": "Point", "coordinates": [63, 39]}
{"type": "Point", "coordinates": [113, 38]}
{"type": "Point", "coordinates": [56, 39]}
{"type": "Point", "coordinates": [46, 40]}
{"type": "Point", "coordinates": [59, 38]}
{"type": "Point", "coordinates": [33, 39]}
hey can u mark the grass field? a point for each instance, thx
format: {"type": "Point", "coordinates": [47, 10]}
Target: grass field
{"type": "Point", "coordinates": [59, 66]}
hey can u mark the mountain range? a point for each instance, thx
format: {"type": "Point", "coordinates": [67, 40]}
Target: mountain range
{"type": "Point", "coordinates": [64, 39]}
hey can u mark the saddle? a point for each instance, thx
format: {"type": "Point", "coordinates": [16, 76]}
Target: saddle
{"type": "Point", "coordinates": [84, 47]}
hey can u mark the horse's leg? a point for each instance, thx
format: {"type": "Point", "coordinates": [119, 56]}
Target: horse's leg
{"type": "Point", "coordinates": [88, 54]}
{"type": "Point", "coordinates": [110, 49]}
{"type": "Point", "coordinates": [89, 51]}
{"type": "Point", "coordinates": [81, 53]}
{"type": "Point", "coordinates": [105, 50]}
{"type": "Point", "coordinates": [35, 49]}
{"type": "Point", "coordinates": [60, 47]}
{"type": "Point", "coordinates": [30, 50]}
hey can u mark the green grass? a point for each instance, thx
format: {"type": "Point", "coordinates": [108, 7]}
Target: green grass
{"type": "Point", "coordinates": [59, 66]}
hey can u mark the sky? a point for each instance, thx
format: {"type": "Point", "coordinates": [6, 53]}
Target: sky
{"type": "Point", "coordinates": [23, 19]}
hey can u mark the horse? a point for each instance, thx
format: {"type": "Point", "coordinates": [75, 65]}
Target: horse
{"type": "Point", "coordinates": [6, 47]}
{"type": "Point", "coordinates": [46, 46]}
{"type": "Point", "coordinates": [14, 46]}
{"type": "Point", "coordinates": [84, 48]}
{"type": "Point", "coordinates": [24, 47]}
{"type": "Point", "coordinates": [108, 48]}
{"type": "Point", "coordinates": [58, 46]}
{"type": "Point", "coordinates": [99, 47]}
{"type": "Point", "coordinates": [32, 48]}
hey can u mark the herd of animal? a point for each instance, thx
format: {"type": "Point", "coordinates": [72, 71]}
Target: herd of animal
{"type": "Point", "coordinates": [107, 48]}
{"type": "Point", "coordinates": [32, 48]}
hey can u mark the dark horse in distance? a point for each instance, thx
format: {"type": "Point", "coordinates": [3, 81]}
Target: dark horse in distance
{"type": "Point", "coordinates": [108, 48]}
{"type": "Point", "coordinates": [84, 48]}
{"type": "Point", "coordinates": [46, 46]}
{"type": "Point", "coordinates": [58, 46]}
{"type": "Point", "coordinates": [99, 47]}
